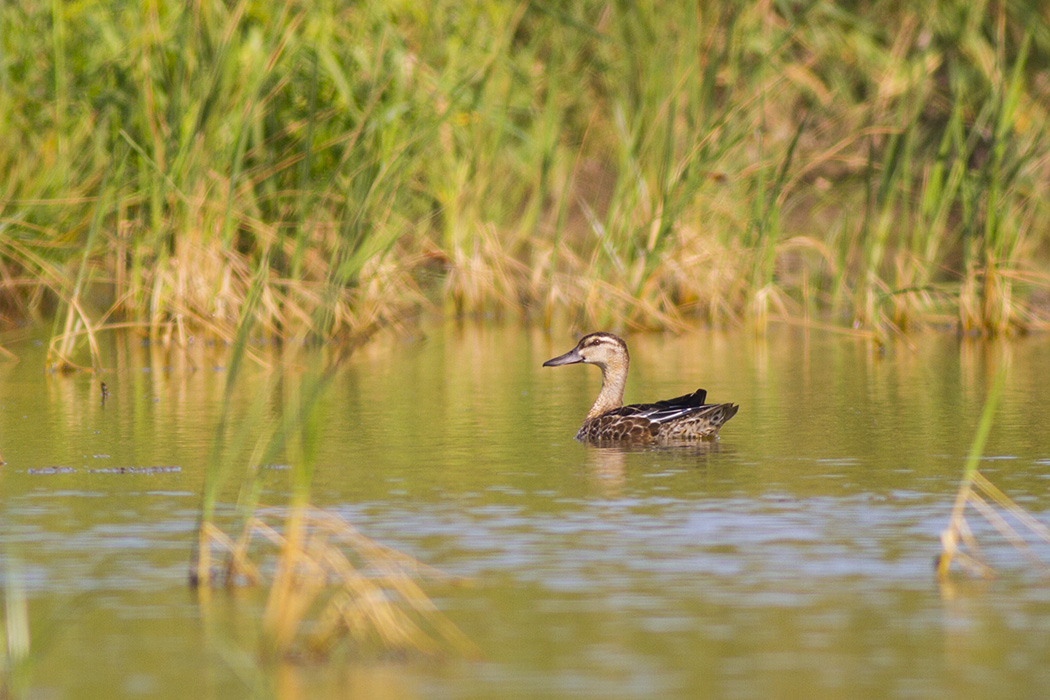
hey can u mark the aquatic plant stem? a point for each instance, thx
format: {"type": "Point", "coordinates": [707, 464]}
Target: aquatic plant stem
{"type": "Point", "coordinates": [955, 532]}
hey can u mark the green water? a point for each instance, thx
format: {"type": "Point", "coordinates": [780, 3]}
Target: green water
{"type": "Point", "coordinates": [791, 559]}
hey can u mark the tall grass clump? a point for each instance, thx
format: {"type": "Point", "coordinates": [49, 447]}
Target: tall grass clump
{"type": "Point", "coordinates": [639, 164]}
{"type": "Point", "coordinates": [327, 583]}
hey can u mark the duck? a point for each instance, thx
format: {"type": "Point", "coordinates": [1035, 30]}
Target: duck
{"type": "Point", "coordinates": [683, 418]}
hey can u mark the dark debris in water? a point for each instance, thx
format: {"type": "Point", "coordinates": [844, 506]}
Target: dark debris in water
{"type": "Point", "coordinates": [135, 470]}
{"type": "Point", "coordinates": [51, 470]}
{"type": "Point", "coordinates": [105, 470]}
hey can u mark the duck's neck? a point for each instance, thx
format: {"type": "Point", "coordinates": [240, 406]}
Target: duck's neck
{"type": "Point", "coordinates": [614, 379]}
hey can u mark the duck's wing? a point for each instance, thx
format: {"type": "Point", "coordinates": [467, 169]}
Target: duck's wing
{"type": "Point", "coordinates": [664, 411]}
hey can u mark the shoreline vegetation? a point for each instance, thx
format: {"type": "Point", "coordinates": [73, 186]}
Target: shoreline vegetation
{"type": "Point", "coordinates": [336, 168]}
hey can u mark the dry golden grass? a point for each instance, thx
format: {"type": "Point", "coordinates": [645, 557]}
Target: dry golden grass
{"type": "Point", "coordinates": [959, 544]}
{"type": "Point", "coordinates": [330, 585]}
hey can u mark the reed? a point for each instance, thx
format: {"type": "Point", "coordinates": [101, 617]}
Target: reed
{"type": "Point", "coordinates": [641, 165]}
{"type": "Point", "coordinates": [15, 647]}
{"type": "Point", "coordinates": [329, 583]}
{"type": "Point", "coordinates": [1010, 520]}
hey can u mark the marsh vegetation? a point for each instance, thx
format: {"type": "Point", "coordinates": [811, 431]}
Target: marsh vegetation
{"type": "Point", "coordinates": [646, 165]}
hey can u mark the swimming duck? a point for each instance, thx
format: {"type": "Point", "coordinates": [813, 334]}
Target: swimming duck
{"type": "Point", "coordinates": [682, 418]}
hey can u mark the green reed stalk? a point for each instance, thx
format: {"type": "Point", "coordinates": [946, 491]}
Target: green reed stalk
{"type": "Point", "coordinates": [956, 522]}
{"type": "Point", "coordinates": [999, 239]}
{"type": "Point", "coordinates": [219, 465]}
{"type": "Point", "coordinates": [15, 641]}
{"type": "Point", "coordinates": [61, 82]}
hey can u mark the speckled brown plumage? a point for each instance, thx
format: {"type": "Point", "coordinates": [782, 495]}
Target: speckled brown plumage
{"type": "Point", "coordinates": [682, 418]}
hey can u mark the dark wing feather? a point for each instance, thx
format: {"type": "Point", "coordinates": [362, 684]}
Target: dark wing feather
{"type": "Point", "coordinates": [664, 411]}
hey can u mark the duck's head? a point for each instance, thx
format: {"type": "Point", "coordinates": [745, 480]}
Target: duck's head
{"type": "Point", "coordinates": [602, 349]}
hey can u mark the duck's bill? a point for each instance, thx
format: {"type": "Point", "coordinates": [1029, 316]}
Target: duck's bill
{"type": "Point", "coordinates": [569, 358]}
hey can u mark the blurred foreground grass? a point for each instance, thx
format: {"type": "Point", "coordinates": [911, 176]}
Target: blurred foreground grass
{"type": "Point", "coordinates": [605, 164]}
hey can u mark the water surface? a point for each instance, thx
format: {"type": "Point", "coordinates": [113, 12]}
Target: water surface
{"type": "Point", "coordinates": [792, 558]}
